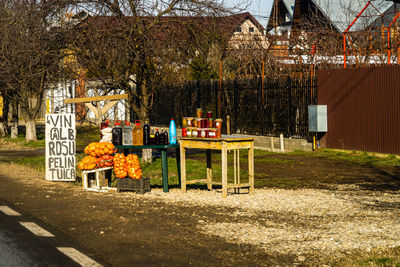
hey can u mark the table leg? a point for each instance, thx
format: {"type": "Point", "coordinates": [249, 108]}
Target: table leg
{"type": "Point", "coordinates": [126, 151]}
{"type": "Point", "coordinates": [183, 168]}
{"type": "Point", "coordinates": [209, 170]}
{"type": "Point", "coordinates": [178, 164]}
{"type": "Point", "coordinates": [224, 159]}
{"type": "Point", "coordinates": [251, 169]}
{"type": "Point", "coordinates": [164, 162]}
{"type": "Point", "coordinates": [85, 180]}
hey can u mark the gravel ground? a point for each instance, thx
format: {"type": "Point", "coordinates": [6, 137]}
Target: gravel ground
{"type": "Point", "coordinates": [303, 221]}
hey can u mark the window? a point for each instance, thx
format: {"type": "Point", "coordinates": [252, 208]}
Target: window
{"type": "Point", "coordinates": [238, 29]}
{"type": "Point", "coordinates": [251, 29]}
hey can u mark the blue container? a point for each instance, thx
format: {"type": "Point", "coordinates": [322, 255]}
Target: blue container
{"type": "Point", "coordinates": [172, 132]}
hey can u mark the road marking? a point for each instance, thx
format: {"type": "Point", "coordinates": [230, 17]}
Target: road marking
{"type": "Point", "coordinates": [78, 257]}
{"type": "Point", "coordinates": [36, 229]}
{"type": "Point", "coordinates": [8, 211]}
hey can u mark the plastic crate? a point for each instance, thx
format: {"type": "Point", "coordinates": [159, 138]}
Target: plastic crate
{"type": "Point", "coordinates": [139, 186]}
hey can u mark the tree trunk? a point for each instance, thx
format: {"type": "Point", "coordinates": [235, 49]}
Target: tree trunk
{"type": "Point", "coordinates": [30, 126]}
{"type": "Point", "coordinates": [147, 155]}
{"type": "Point", "coordinates": [14, 119]}
{"type": "Point", "coordinates": [4, 118]}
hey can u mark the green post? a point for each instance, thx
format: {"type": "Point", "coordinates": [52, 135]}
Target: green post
{"type": "Point", "coordinates": [164, 162]}
{"type": "Point", "coordinates": [178, 163]}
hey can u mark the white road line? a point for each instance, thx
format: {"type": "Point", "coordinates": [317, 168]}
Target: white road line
{"type": "Point", "coordinates": [8, 211]}
{"type": "Point", "coordinates": [78, 257]}
{"type": "Point", "coordinates": [36, 229]}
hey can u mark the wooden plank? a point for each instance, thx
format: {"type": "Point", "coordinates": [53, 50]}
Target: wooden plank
{"type": "Point", "coordinates": [209, 170]}
{"type": "Point", "coordinates": [183, 168]}
{"type": "Point", "coordinates": [95, 98]}
{"type": "Point", "coordinates": [224, 162]}
{"type": "Point", "coordinates": [239, 145]}
{"type": "Point", "coordinates": [217, 183]}
{"type": "Point", "coordinates": [201, 144]}
{"type": "Point", "coordinates": [196, 181]}
{"type": "Point", "coordinates": [230, 186]}
{"type": "Point", "coordinates": [251, 169]}
{"type": "Point", "coordinates": [226, 139]}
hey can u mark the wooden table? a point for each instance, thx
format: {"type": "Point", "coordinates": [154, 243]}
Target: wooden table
{"type": "Point", "coordinates": [224, 144]}
{"type": "Point", "coordinates": [164, 160]}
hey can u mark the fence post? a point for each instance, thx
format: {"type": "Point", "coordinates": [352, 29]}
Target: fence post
{"type": "Point", "coordinates": [261, 107]}
{"type": "Point", "coordinates": [290, 122]}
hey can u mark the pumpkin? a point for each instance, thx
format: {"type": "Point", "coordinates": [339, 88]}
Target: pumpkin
{"type": "Point", "coordinates": [88, 163]}
{"type": "Point", "coordinates": [119, 165]}
{"type": "Point", "coordinates": [105, 161]}
{"type": "Point", "coordinates": [97, 149]}
{"type": "Point", "coordinates": [129, 165]}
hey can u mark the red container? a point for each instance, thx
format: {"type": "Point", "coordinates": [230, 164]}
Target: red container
{"type": "Point", "coordinates": [184, 132]}
{"type": "Point", "coordinates": [209, 114]}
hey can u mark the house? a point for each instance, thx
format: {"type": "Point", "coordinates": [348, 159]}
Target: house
{"type": "Point", "coordinates": [315, 21]}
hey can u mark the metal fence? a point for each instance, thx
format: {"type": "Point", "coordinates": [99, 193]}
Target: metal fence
{"type": "Point", "coordinates": [363, 108]}
{"type": "Point", "coordinates": [255, 106]}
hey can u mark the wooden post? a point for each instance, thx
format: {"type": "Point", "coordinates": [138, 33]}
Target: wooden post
{"type": "Point", "coordinates": [183, 167]}
{"type": "Point", "coordinates": [251, 169]}
{"type": "Point", "coordinates": [209, 169]}
{"type": "Point", "coordinates": [228, 125]}
{"type": "Point", "coordinates": [272, 144]}
{"type": "Point", "coordinates": [282, 143]}
{"type": "Point", "coordinates": [164, 163]}
{"type": "Point", "coordinates": [224, 162]}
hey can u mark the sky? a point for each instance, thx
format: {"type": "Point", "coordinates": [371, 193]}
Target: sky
{"type": "Point", "coordinates": [260, 9]}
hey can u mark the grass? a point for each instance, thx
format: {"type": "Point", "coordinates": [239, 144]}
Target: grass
{"type": "Point", "coordinates": [381, 261]}
{"type": "Point", "coordinates": [358, 157]}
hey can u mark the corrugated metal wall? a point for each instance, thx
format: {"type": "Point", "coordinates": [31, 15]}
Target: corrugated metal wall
{"type": "Point", "coordinates": [363, 108]}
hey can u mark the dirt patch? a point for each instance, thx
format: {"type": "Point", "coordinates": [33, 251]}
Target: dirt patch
{"type": "Point", "coordinates": [272, 227]}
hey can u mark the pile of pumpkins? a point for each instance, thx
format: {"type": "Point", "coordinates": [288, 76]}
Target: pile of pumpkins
{"type": "Point", "coordinates": [100, 155]}
{"type": "Point", "coordinates": [127, 165]}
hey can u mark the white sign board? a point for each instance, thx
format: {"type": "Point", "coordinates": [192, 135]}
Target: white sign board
{"type": "Point", "coordinates": [60, 147]}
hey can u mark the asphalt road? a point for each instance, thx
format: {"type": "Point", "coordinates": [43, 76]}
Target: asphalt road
{"type": "Point", "coordinates": [21, 247]}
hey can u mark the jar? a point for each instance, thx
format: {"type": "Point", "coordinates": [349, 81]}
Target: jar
{"type": "Point", "coordinates": [189, 121]}
{"type": "Point", "coordinates": [203, 133]}
{"type": "Point", "coordinates": [199, 122]}
{"type": "Point", "coordinates": [207, 135]}
{"type": "Point", "coordinates": [211, 134]}
{"type": "Point", "coordinates": [184, 132]}
{"type": "Point", "coordinates": [211, 123]}
{"type": "Point", "coordinates": [189, 132]}
{"type": "Point", "coordinates": [184, 122]}
{"type": "Point", "coordinates": [218, 124]}
{"type": "Point", "coordinates": [209, 114]}
{"type": "Point", "coordinates": [218, 133]}
{"type": "Point", "coordinates": [199, 112]}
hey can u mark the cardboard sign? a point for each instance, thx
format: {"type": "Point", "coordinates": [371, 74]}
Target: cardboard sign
{"type": "Point", "coordinates": [60, 147]}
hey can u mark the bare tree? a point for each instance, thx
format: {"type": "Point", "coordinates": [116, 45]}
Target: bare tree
{"type": "Point", "coordinates": [138, 45]}
{"type": "Point", "coordinates": [30, 54]}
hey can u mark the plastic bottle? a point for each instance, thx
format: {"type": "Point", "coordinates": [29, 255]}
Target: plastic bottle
{"type": "Point", "coordinates": [138, 134]}
{"type": "Point", "coordinates": [166, 137]}
{"type": "Point", "coordinates": [157, 137]}
{"type": "Point", "coordinates": [117, 134]}
{"type": "Point", "coordinates": [127, 137]}
{"type": "Point", "coordinates": [172, 132]}
{"type": "Point", "coordinates": [152, 137]}
{"type": "Point", "coordinates": [146, 134]}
